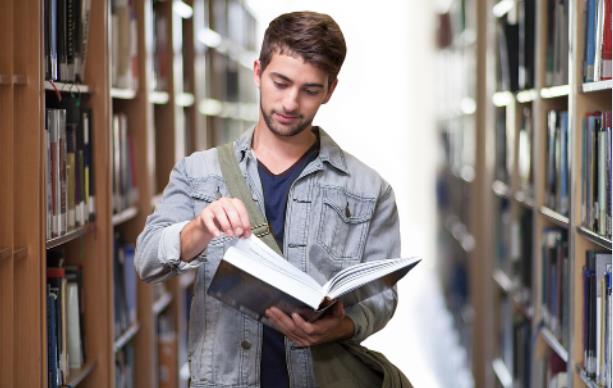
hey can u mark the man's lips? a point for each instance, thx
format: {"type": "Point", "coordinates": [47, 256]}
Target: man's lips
{"type": "Point", "coordinates": [285, 119]}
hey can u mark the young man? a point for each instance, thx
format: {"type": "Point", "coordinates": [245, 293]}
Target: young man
{"type": "Point", "coordinates": [326, 210]}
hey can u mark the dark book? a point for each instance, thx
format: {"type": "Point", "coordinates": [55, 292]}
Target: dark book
{"type": "Point", "coordinates": [251, 277]}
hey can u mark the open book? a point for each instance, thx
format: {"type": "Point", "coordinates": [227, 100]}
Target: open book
{"type": "Point", "coordinates": [252, 277]}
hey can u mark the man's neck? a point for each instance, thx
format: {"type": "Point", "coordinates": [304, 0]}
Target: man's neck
{"type": "Point", "coordinates": [278, 153]}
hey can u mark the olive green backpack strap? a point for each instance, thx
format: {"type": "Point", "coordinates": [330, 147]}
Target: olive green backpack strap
{"type": "Point", "coordinates": [235, 182]}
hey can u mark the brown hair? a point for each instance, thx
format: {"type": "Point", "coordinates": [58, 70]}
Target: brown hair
{"type": "Point", "coordinates": [315, 37]}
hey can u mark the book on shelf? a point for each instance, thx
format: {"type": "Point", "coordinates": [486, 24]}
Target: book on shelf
{"type": "Point", "coordinates": [597, 63]}
{"type": "Point", "coordinates": [524, 153]}
{"type": "Point", "coordinates": [596, 173]}
{"type": "Point", "coordinates": [555, 283]}
{"type": "Point", "coordinates": [521, 250]}
{"type": "Point", "coordinates": [64, 318]}
{"type": "Point", "coordinates": [551, 371]}
{"type": "Point", "coordinates": [502, 232]}
{"type": "Point", "coordinates": [125, 367]}
{"type": "Point", "coordinates": [161, 72]}
{"type": "Point", "coordinates": [526, 21]}
{"type": "Point", "coordinates": [557, 187]}
{"type": "Point", "coordinates": [68, 167]}
{"type": "Point", "coordinates": [124, 286]}
{"type": "Point", "coordinates": [508, 52]}
{"type": "Point", "coordinates": [124, 45]}
{"type": "Point", "coordinates": [252, 277]}
{"type": "Point", "coordinates": [557, 44]}
{"type": "Point", "coordinates": [504, 141]}
{"type": "Point", "coordinates": [597, 316]}
{"type": "Point", "coordinates": [66, 30]}
{"type": "Point", "coordinates": [125, 189]}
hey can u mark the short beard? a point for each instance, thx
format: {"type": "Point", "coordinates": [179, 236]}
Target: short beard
{"type": "Point", "coordinates": [301, 126]}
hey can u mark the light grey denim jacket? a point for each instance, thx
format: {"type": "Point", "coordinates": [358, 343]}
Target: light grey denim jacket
{"type": "Point", "coordinates": [339, 212]}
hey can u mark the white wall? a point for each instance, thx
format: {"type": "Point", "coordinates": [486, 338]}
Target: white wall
{"type": "Point", "coordinates": [382, 113]}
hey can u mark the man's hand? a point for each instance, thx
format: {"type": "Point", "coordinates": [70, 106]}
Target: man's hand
{"type": "Point", "coordinates": [225, 216]}
{"type": "Point", "coordinates": [330, 328]}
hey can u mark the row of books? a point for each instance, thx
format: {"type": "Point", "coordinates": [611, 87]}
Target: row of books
{"type": "Point", "coordinates": [597, 63]}
{"type": "Point", "coordinates": [596, 173]}
{"type": "Point", "coordinates": [125, 366]}
{"type": "Point", "coordinates": [515, 47]}
{"type": "Point", "coordinates": [551, 371]}
{"type": "Point", "coordinates": [515, 339]}
{"type": "Point", "coordinates": [555, 283]}
{"type": "Point", "coordinates": [233, 20]}
{"type": "Point", "coordinates": [557, 44]}
{"type": "Point", "coordinates": [65, 346]}
{"type": "Point", "coordinates": [65, 39]}
{"type": "Point", "coordinates": [557, 187]}
{"type": "Point", "coordinates": [597, 317]}
{"type": "Point", "coordinates": [124, 45]}
{"type": "Point", "coordinates": [70, 199]}
{"type": "Point", "coordinates": [124, 286]}
{"type": "Point", "coordinates": [125, 189]}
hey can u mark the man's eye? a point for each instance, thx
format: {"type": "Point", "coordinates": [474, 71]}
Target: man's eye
{"type": "Point", "coordinates": [280, 85]}
{"type": "Point", "coordinates": [311, 92]}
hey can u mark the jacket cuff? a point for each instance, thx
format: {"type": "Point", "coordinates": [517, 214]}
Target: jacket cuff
{"type": "Point", "coordinates": [360, 323]}
{"type": "Point", "coordinates": [169, 248]}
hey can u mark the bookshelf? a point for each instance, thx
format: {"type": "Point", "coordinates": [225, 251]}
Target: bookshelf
{"type": "Point", "coordinates": [157, 126]}
{"type": "Point", "coordinates": [536, 249]}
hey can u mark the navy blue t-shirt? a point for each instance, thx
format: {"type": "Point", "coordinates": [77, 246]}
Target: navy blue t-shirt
{"type": "Point", "coordinates": [273, 367]}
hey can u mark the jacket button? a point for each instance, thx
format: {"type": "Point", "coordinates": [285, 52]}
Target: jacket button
{"type": "Point", "coordinates": [245, 344]}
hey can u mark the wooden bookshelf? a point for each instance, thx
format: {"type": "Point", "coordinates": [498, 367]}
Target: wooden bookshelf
{"type": "Point", "coordinates": [577, 98]}
{"type": "Point", "coordinates": [533, 206]}
{"type": "Point", "coordinates": [164, 126]}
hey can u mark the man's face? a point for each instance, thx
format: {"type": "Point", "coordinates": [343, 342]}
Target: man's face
{"type": "Point", "coordinates": [291, 92]}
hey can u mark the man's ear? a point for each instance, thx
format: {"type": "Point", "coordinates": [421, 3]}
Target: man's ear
{"type": "Point", "coordinates": [330, 90]}
{"type": "Point", "coordinates": [257, 73]}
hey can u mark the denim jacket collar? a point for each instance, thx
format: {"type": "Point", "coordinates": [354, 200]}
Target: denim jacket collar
{"type": "Point", "coordinates": [329, 151]}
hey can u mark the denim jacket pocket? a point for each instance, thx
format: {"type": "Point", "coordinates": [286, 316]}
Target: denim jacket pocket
{"type": "Point", "coordinates": [205, 190]}
{"type": "Point", "coordinates": [343, 223]}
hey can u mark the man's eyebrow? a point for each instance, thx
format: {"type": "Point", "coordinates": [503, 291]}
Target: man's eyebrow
{"type": "Point", "coordinates": [286, 79]}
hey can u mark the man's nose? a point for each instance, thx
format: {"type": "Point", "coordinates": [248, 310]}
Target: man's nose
{"type": "Point", "coordinates": [290, 101]}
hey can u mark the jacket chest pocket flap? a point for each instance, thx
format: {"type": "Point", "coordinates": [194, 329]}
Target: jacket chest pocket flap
{"type": "Point", "coordinates": [344, 223]}
{"type": "Point", "coordinates": [205, 190]}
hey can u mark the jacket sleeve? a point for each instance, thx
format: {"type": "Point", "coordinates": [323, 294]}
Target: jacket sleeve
{"type": "Point", "coordinates": [382, 242]}
{"type": "Point", "coordinates": [158, 247]}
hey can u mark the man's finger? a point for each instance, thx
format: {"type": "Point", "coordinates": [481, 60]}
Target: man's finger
{"type": "Point", "coordinates": [222, 219]}
{"type": "Point", "coordinates": [244, 216]}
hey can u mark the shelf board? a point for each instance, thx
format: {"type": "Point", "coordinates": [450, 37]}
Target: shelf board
{"type": "Point", "coordinates": [524, 199]}
{"type": "Point", "coordinates": [501, 189]}
{"type": "Point", "coordinates": [584, 377]}
{"type": "Point", "coordinates": [555, 91]}
{"type": "Point", "coordinates": [553, 343]}
{"type": "Point", "coordinates": [72, 235]}
{"type": "Point", "coordinates": [162, 302]}
{"type": "Point", "coordinates": [67, 87]}
{"type": "Point", "coordinates": [502, 373]}
{"type": "Point", "coordinates": [503, 281]}
{"type": "Point", "coordinates": [598, 86]}
{"type": "Point", "coordinates": [76, 376]}
{"type": "Point", "coordinates": [124, 215]}
{"type": "Point", "coordinates": [555, 217]}
{"type": "Point", "coordinates": [123, 94]}
{"type": "Point", "coordinates": [525, 96]}
{"type": "Point", "coordinates": [184, 100]}
{"type": "Point", "coordinates": [594, 237]}
{"type": "Point", "coordinates": [187, 279]}
{"type": "Point", "coordinates": [502, 99]}
{"type": "Point", "coordinates": [159, 97]}
{"type": "Point", "coordinates": [126, 337]}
